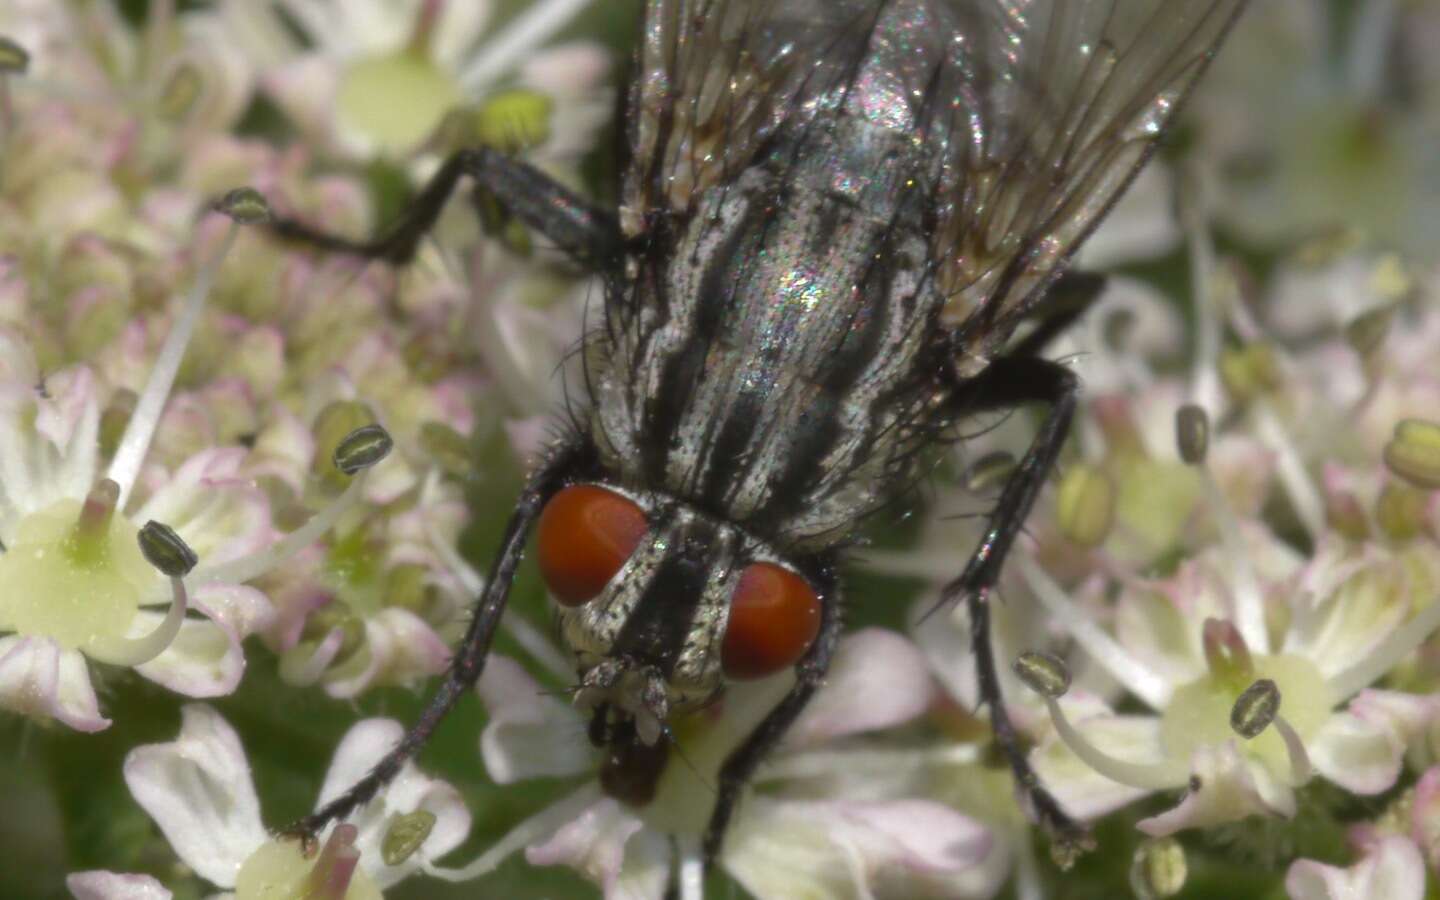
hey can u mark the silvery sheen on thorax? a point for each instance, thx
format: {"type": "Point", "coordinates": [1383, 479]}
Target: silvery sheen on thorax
{"type": "Point", "coordinates": [836, 218]}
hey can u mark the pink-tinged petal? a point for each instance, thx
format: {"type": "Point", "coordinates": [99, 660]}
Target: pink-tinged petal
{"type": "Point", "coordinates": [283, 449]}
{"type": "Point", "coordinates": [1392, 870]}
{"type": "Point", "coordinates": [878, 680]}
{"type": "Point", "coordinates": [1142, 225]}
{"type": "Point", "coordinates": [199, 792]}
{"type": "Point", "coordinates": [1230, 787]}
{"type": "Point", "coordinates": [206, 658]}
{"type": "Point", "coordinates": [400, 648]}
{"type": "Point", "coordinates": [530, 733]}
{"type": "Point", "coordinates": [305, 90]}
{"type": "Point", "coordinates": [70, 420]}
{"type": "Point", "coordinates": [528, 436]}
{"type": "Point", "coordinates": [361, 748]}
{"type": "Point", "coordinates": [898, 849]}
{"type": "Point", "coordinates": [102, 885]}
{"type": "Point", "coordinates": [573, 68]}
{"type": "Point", "coordinates": [40, 680]}
{"type": "Point", "coordinates": [609, 845]}
{"type": "Point", "coordinates": [219, 512]}
{"type": "Point", "coordinates": [1425, 816]}
{"type": "Point", "coordinates": [1081, 790]}
{"type": "Point", "coordinates": [1408, 716]}
{"type": "Point", "coordinates": [1361, 756]}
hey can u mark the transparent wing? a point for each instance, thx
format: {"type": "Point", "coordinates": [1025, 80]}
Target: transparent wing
{"type": "Point", "coordinates": [1030, 117]}
{"type": "Point", "coordinates": [714, 79]}
{"type": "Point", "coordinates": [1052, 107]}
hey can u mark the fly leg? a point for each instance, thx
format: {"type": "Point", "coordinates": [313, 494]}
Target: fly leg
{"type": "Point", "coordinates": [1007, 382]}
{"type": "Point", "coordinates": [469, 660]}
{"type": "Point", "coordinates": [582, 231]}
{"type": "Point", "coordinates": [1069, 298]}
{"type": "Point", "coordinates": [743, 760]}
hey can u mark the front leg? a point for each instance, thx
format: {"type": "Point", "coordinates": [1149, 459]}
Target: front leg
{"type": "Point", "coordinates": [809, 675]}
{"type": "Point", "coordinates": [578, 228]}
{"type": "Point", "coordinates": [1008, 382]}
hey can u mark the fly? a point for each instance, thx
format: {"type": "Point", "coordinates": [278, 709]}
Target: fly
{"type": "Point", "coordinates": [835, 215]}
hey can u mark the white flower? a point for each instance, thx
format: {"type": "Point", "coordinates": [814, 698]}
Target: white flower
{"type": "Point", "coordinates": [823, 819]}
{"type": "Point", "coordinates": [1190, 646]}
{"type": "Point", "coordinates": [379, 77]}
{"type": "Point", "coordinates": [198, 789]}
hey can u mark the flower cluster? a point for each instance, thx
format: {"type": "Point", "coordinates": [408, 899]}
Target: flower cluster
{"type": "Point", "coordinates": [244, 471]}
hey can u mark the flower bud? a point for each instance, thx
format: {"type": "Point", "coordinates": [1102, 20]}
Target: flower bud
{"type": "Point", "coordinates": [1085, 505]}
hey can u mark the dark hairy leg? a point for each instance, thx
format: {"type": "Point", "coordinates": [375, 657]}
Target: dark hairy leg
{"type": "Point", "coordinates": [469, 661]}
{"type": "Point", "coordinates": [1007, 382]}
{"type": "Point", "coordinates": [742, 762]}
{"type": "Point", "coordinates": [579, 229]}
{"type": "Point", "coordinates": [1069, 298]}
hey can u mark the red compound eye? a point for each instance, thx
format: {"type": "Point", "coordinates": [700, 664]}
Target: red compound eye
{"type": "Point", "coordinates": [774, 617]}
{"type": "Point", "coordinates": [585, 535]}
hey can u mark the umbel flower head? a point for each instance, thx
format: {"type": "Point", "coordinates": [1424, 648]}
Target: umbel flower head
{"type": "Point", "coordinates": [73, 553]}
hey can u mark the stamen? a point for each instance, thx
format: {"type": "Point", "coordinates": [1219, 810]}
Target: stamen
{"type": "Point", "coordinates": [125, 464]}
{"type": "Point", "coordinates": [306, 662]}
{"type": "Point", "coordinates": [405, 835]}
{"type": "Point", "coordinates": [1043, 673]}
{"type": "Point", "coordinates": [1388, 653]}
{"type": "Point", "coordinates": [1146, 776]}
{"type": "Point", "coordinates": [527, 31]}
{"type": "Point", "coordinates": [1300, 767]}
{"type": "Point", "coordinates": [1304, 496]}
{"type": "Point", "coordinates": [1101, 647]}
{"type": "Point", "coordinates": [1194, 197]}
{"type": "Point", "coordinates": [164, 549]}
{"type": "Point", "coordinates": [360, 450]}
{"type": "Point", "coordinates": [543, 823]}
{"type": "Point", "coordinates": [865, 763]}
{"type": "Point", "coordinates": [1192, 433]}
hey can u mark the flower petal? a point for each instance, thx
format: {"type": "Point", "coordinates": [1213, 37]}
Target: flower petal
{"type": "Point", "coordinates": [1359, 755]}
{"type": "Point", "coordinates": [206, 658]}
{"type": "Point", "coordinates": [1081, 790]}
{"type": "Point", "coordinates": [411, 790]}
{"type": "Point", "coordinates": [901, 848]}
{"type": "Point", "coordinates": [531, 734]}
{"type": "Point", "coordinates": [40, 680]}
{"type": "Point", "coordinates": [1225, 787]}
{"type": "Point", "coordinates": [878, 680]}
{"type": "Point", "coordinates": [609, 845]}
{"type": "Point", "coordinates": [400, 648]}
{"type": "Point", "coordinates": [1392, 869]}
{"type": "Point", "coordinates": [199, 792]}
{"type": "Point", "coordinates": [221, 514]}
{"type": "Point", "coordinates": [102, 885]}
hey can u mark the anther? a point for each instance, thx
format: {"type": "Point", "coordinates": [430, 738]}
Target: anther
{"type": "Point", "coordinates": [405, 835]}
{"type": "Point", "coordinates": [1255, 709]}
{"type": "Point", "coordinates": [1414, 453]}
{"type": "Point", "coordinates": [362, 448]}
{"type": "Point", "coordinates": [1192, 433]}
{"type": "Point", "coordinates": [14, 59]}
{"type": "Point", "coordinates": [244, 205]}
{"type": "Point", "coordinates": [1043, 673]}
{"type": "Point", "coordinates": [165, 550]}
{"type": "Point", "coordinates": [1158, 869]}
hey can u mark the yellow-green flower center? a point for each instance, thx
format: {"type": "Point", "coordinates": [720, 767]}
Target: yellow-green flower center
{"type": "Point", "coordinates": [396, 100]}
{"type": "Point", "coordinates": [1199, 712]}
{"type": "Point", "coordinates": [71, 584]}
{"type": "Point", "coordinates": [279, 871]}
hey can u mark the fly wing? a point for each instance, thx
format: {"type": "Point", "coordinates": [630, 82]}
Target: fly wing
{"type": "Point", "coordinates": [714, 79]}
{"type": "Point", "coordinates": [1046, 110]}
